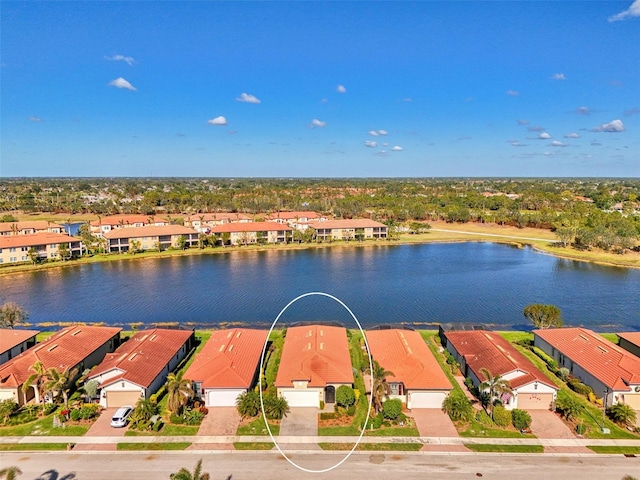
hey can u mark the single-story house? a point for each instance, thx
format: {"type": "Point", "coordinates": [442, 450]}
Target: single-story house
{"type": "Point", "coordinates": [112, 222]}
{"type": "Point", "coordinates": [46, 245]}
{"type": "Point", "coordinates": [253, 232]}
{"type": "Point", "coordinates": [139, 367]}
{"type": "Point", "coordinates": [630, 341]}
{"type": "Point", "coordinates": [227, 366]}
{"type": "Point", "coordinates": [30, 227]}
{"type": "Point", "coordinates": [315, 362]}
{"type": "Point", "coordinates": [355, 229]}
{"type": "Point", "coordinates": [14, 341]}
{"type": "Point", "coordinates": [478, 349]}
{"type": "Point", "coordinates": [151, 237]}
{"type": "Point", "coordinates": [610, 370]}
{"type": "Point", "coordinates": [76, 347]}
{"type": "Point", "coordinates": [417, 378]}
{"type": "Point", "coordinates": [204, 222]}
{"type": "Point", "coordinates": [298, 220]}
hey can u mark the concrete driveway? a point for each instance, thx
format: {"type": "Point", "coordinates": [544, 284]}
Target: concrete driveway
{"type": "Point", "coordinates": [220, 421]}
{"type": "Point", "coordinates": [301, 421]}
{"type": "Point", "coordinates": [546, 424]}
{"type": "Point", "coordinates": [102, 428]}
{"type": "Point", "coordinates": [433, 422]}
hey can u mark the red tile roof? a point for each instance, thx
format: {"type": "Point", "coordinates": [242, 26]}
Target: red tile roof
{"type": "Point", "coordinates": [10, 337]}
{"type": "Point", "coordinates": [316, 353]}
{"type": "Point", "coordinates": [482, 349]}
{"type": "Point", "coordinates": [35, 239]}
{"type": "Point", "coordinates": [149, 231]}
{"type": "Point", "coordinates": [229, 359]}
{"type": "Point", "coordinates": [251, 227]}
{"type": "Point", "coordinates": [67, 348]}
{"type": "Point", "coordinates": [293, 215]}
{"type": "Point", "coordinates": [219, 216]}
{"type": "Point", "coordinates": [354, 223]}
{"type": "Point", "coordinates": [631, 337]}
{"type": "Point", "coordinates": [143, 356]}
{"type": "Point", "coordinates": [129, 219]}
{"type": "Point", "coordinates": [29, 224]}
{"type": "Point", "coordinates": [405, 353]}
{"type": "Point", "coordinates": [609, 363]}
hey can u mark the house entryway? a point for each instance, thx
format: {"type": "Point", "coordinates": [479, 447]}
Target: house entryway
{"type": "Point", "coordinates": [330, 394]}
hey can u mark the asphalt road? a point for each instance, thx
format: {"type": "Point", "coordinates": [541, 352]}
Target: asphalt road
{"type": "Point", "coordinates": [236, 465]}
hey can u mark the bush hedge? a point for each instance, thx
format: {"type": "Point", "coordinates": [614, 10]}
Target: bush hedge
{"type": "Point", "coordinates": [501, 416]}
{"type": "Point", "coordinates": [520, 419]}
{"type": "Point", "coordinates": [391, 409]}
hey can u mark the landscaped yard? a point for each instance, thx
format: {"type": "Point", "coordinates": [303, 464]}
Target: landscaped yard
{"type": "Point", "coordinates": [257, 427]}
{"type": "Point", "coordinates": [32, 446]}
{"type": "Point", "coordinates": [153, 446]}
{"type": "Point", "coordinates": [44, 427]}
{"type": "Point", "coordinates": [167, 430]}
{"type": "Point", "coordinates": [480, 447]}
{"type": "Point", "coordinates": [633, 450]}
{"type": "Point", "coordinates": [253, 445]}
{"type": "Point", "coordinates": [404, 447]}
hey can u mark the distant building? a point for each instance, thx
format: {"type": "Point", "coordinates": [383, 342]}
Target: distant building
{"type": "Point", "coordinates": [150, 237]}
{"type": "Point", "coordinates": [46, 245]}
{"type": "Point", "coordinates": [296, 220]}
{"type": "Point", "coordinates": [356, 229]}
{"type": "Point", "coordinates": [113, 222]}
{"type": "Point", "coordinates": [15, 341]}
{"type": "Point", "coordinates": [630, 341]}
{"type": "Point", "coordinates": [204, 222]}
{"type": "Point", "coordinates": [254, 232]}
{"type": "Point", "coordinates": [30, 227]}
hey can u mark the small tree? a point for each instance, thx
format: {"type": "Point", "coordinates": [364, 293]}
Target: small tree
{"type": "Point", "coordinates": [458, 407]}
{"type": "Point", "coordinates": [248, 404]}
{"type": "Point", "coordinates": [33, 255]}
{"type": "Point", "coordinates": [184, 474]}
{"type": "Point", "coordinates": [391, 409]}
{"type": "Point", "coordinates": [10, 473]}
{"type": "Point", "coordinates": [275, 408]}
{"type": "Point", "coordinates": [495, 385]}
{"type": "Point", "coordinates": [622, 414]}
{"type": "Point", "coordinates": [179, 392]}
{"type": "Point", "coordinates": [520, 419]}
{"type": "Point", "coordinates": [345, 396]}
{"type": "Point", "coordinates": [63, 251]}
{"type": "Point", "coordinates": [11, 315]}
{"type": "Point", "coordinates": [568, 405]}
{"type": "Point", "coordinates": [182, 242]}
{"type": "Point", "coordinates": [543, 316]}
{"type": "Point", "coordinates": [7, 408]}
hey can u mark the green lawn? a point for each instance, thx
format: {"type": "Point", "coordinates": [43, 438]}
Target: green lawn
{"type": "Point", "coordinates": [32, 446]}
{"type": "Point", "coordinates": [516, 336]}
{"type": "Point", "coordinates": [476, 429]}
{"type": "Point", "coordinates": [153, 446]}
{"type": "Point", "coordinates": [272, 359]}
{"type": "Point", "coordinates": [253, 445]}
{"type": "Point", "coordinates": [168, 430]}
{"type": "Point", "coordinates": [612, 337]}
{"type": "Point", "coordinates": [257, 427]}
{"type": "Point", "coordinates": [393, 432]}
{"type": "Point", "coordinates": [613, 449]}
{"type": "Point", "coordinates": [391, 447]}
{"type": "Point", "coordinates": [505, 448]}
{"type": "Point", "coordinates": [43, 427]}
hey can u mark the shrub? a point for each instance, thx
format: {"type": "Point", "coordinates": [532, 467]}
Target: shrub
{"type": "Point", "coordinates": [156, 397]}
{"type": "Point", "coordinates": [563, 373]}
{"type": "Point", "coordinates": [468, 383]}
{"type": "Point", "coordinates": [484, 419]}
{"type": "Point", "coordinates": [157, 426]}
{"type": "Point", "coordinates": [275, 408]}
{"type": "Point", "coordinates": [551, 363]}
{"type": "Point", "coordinates": [321, 404]}
{"type": "Point", "coordinates": [193, 417]}
{"type": "Point", "coordinates": [592, 397]}
{"type": "Point", "coordinates": [75, 415]}
{"type": "Point", "coordinates": [376, 422]}
{"type": "Point", "coordinates": [176, 419]}
{"type": "Point", "coordinates": [329, 415]}
{"type": "Point", "coordinates": [90, 410]}
{"type": "Point", "coordinates": [248, 404]}
{"type": "Point", "coordinates": [345, 396]}
{"type": "Point", "coordinates": [351, 411]}
{"type": "Point", "coordinates": [568, 405]}
{"type": "Point", "coordinates": [577, 386]}
{"type": "Point", "coordinates": [392, 408]}
{"type": "Point", "coordinates": [581, 429]}
{"type": "Point", "coordinates": [520, 419]}
{"type": "Point", "coordinates": [458, 407]}
{"type": "Point", "coordinates": [622, 414]}
{"type": "Point", "coordinates": [501, 416]}
{"type": "Point", "coordinates": [49, 408]}
{"type": "Point", "coordinates": [7, 408]}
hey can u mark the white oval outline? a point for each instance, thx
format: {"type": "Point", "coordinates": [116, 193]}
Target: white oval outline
{"type": "Point", "coordinates": [264, 416]}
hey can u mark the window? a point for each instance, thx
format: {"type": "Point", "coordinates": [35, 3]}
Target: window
{"type": "Point", "coordinates": [24, 249]}
{"type": "Point", "coordinates": [24, 258]}
{"type": "Point", "coordinates": [13, 259]}
{"type": "Point", "coordinates": [12, 250]}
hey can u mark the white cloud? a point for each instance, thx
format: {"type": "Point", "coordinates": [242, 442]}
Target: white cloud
{"type": "Point", "coordinates": [557, 143]}
{"type": "Point", "coordinates": [35, 119]}
{"type": "Point", "coordinates": [248, 98]}
{"type": "Point", "coordinates": [217, 121]}
{"type": "Point", "coordinates": [572, 135]}
{"type": "Point", "coordinates": [122, 83]}
{"type": "Point", "coordinates": [536, 128]}
{"type": "Point", "coordinates": [373, 133]}
{"type": "Point", "coordinates": [516, 143]}
{"type": "Point", "coordinates": [522, 122]}
{"type": "Point", "coordinates": [583, 110]}
{"type": "Point", "coordinates": [370, 144]}
{"type": "Point", "coordinates": [611, 127]}
{"type": "Point", "coordinates": [382, 132]}
{"type": "Point", "coordinates": [384, 144]}
{"type": "Point", "coordinates": [341, 89]}
{"type": "Point", "coordinates": [558, 76]}
{"type": "Point", "coordinates": [513, 93]}
{"type": "Point", "coordinates": [120, 58]}
{"type": "Point", "coordinates": [315, 123]}
{"type": "Point", "coordinates": [397, 148]}
{"type": "Point", "coordinates": [544, 136]}
{"type": "Point", "coordinates": [632, 11]}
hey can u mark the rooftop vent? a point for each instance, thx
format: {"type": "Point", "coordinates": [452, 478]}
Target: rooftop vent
{"type": "Point", "coordinates": [52, 347]}
{"type": "Point", "coordinates": [76, 333]}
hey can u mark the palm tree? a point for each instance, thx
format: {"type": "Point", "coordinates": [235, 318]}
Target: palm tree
{"type": "Point", "coordinates": [380, 389]}
{"type": "Point", "coordinates": [623, 414]}
{"type": "Point", "coordinates": [496, 386]}
{"type": "Point", "coordinates": [179, 392]}
{"type": "Point", "coordinates": [59, 381]}
{"type": "Point", "coordinates": [184, 474]}
{"type": "Point", "coordinates": [37, 379]}
{"type": "Point", "coordinates": [10, 473]}
{"type": "Point", "coordinates": [248, 403]}
{"type": "Point", "coordinates": [275, 408]}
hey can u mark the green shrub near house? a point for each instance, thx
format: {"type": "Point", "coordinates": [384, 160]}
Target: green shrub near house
{"type": "Point", "coordinates": [391, 409]}
{"type": "Point", "coordinates": [501, 416]}
{"type": "Point", "coordinates": [521, 419]}
{"type": "Point", "coordinates": [345, 396]}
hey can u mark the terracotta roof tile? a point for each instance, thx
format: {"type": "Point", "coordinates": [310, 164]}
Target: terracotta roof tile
{"type": "Point", "coordinates": [10, 337]}
{"type": "Point", "coordinates": [405, 353]}
{"type": "Point", "coordinates": [35, 239]}
{"type": "Point", "coordinates": [251, 227]}
{"type": "Point", "coordinates": [609, 363]}
{"type": "Point", "coordinates": [28, 224]}
{"type": "Point", "coordinates": [229, 359]}
{"type": "Point", "coordinates": [354, 223]}
{"type": "Point", "coordinates": [482, 349]}
{"type": "Point", "coordinates": [67, 348]}
{"type": "Point", "coordinates": [218, 216]}
{"type": "Point", "coordinates": [143, 356]}
{"type": "Point", "coordinates": [294, 215]}
{"type": "Point", "coordinates": [631, 337]}
{"type": "Point", "coordinates": [316, 353]}
{"type": "Point", "coordinates": [149, 231]}
{"type": "Point", "coordinates": [129, 219]}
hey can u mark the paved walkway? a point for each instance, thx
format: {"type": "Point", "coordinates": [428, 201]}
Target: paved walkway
{"type": "Point", "coordinates": [300, 422]}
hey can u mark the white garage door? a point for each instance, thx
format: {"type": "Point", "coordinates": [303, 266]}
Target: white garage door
{"type": "Point", "coordinates": [632, 400]}
{"type": "Point", "coordinates": [223, 398]}
{"type": "Point", "coordinates": [302, 398]}
{"type": "Point", "coordinates": [120, 399]}
{"type": "Point", "coordinates": [535, 401]}
{"type": "Point", "coordinates": [6, 395]}
{"type": "Point", "coordinates": [426, 399]}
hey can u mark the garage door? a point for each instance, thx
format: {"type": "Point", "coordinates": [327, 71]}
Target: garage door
{"type": "Point", "coordinates": [119, 399]}
{"type": "Point", "coordinates": [426, 399]}
{"type": "Point", "coordinates": [223, 398]}
{"type": "Point", "coordinates": [534, 401]}
{"type": "Point", "coordinates": [302, 398]}
{"type": "Point", "coordinates": [6, 395]}
{"type": "Point", "coordinates": [633, 400]}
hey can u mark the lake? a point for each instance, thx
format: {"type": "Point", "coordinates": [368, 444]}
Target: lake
{"type": "Point", "coordinates": [416, 285]}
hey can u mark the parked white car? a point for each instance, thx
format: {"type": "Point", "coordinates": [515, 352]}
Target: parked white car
{"type": "Point", "coordinates": [121, 417]}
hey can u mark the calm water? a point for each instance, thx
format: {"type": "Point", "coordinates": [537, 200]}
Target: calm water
{"type": "Point", "coordinates": [412, 284]}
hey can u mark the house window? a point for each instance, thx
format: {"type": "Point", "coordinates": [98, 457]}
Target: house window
{"type": "Point", "coordinates": [12, 250]}
{"type": "Point", "coordinates": [24, 249]}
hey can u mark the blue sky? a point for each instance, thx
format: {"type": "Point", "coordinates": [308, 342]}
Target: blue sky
{"type": "Point", "coordinates": [320, 89]}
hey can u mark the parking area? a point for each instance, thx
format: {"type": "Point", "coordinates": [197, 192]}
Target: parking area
{"type": "Point", "coordinates": [546, 424]}
{"type": "Point", "coordinates": [102, 427]}
{"type": "Point", "coordinates": [220, 421]}
{"type": "Point", "coordinates": [301, 421]}
{"type": "Point", "coordinates": [433, 422]}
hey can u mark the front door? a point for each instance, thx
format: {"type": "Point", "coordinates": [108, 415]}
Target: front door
{"type": "Point", "coordinates": [330, 394]}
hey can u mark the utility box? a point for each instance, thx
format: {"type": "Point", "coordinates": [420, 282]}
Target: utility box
{"type": "Point", "coordinates": [606, 431]}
